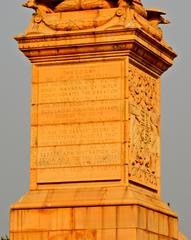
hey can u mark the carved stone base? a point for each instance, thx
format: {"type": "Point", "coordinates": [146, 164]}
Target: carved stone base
{"type": "Point", "coordinates": [92, 214]}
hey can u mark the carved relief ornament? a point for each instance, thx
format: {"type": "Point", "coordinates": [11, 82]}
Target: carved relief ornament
{"type": "Point", "coordinates": [107, 13]}
{"type": "Point", "coordinates": [144, 128]}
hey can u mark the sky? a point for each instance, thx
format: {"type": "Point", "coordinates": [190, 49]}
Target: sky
{"type": "Point", "coordinates": [15, 93]}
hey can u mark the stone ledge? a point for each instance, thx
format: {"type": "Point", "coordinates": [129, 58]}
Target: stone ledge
{"type": "Point", "coordinates": [100, 196]}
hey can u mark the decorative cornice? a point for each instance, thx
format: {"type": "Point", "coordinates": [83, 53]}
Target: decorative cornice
{"type": "Point", "coordinates": [132, 42]}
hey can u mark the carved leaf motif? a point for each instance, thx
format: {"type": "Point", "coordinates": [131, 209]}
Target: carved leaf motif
{"type": "Point", "coordinates": [144, 125]}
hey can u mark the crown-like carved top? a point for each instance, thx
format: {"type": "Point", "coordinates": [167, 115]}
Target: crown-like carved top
{"type": "Point", "coordinates": [52, 16]}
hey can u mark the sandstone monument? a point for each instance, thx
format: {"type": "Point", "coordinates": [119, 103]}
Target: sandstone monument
{"type": "Point", "coordinates": [95, 123]}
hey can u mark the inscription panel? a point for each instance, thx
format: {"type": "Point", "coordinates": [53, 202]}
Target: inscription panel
{"type": "Point", "coordinates": [56, 135]}
{"type": "Point", "coordinates": [76, 71]}
{"type": "Point", "coordinates": [80, 90]}
{"type": "Point", "coordinates": [79, 174]}
{"type": "Point", "coordinates": [144, 127]}
{"type": "Point", "coordinates": [78, 112]}
{"type": "Point", "coordinates": [80, 155]}
{"type": "Point", "coordinates": [77, 121]}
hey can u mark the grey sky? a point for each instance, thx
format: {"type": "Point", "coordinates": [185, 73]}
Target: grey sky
{"type": "Point", "coordinates": [15, 76]}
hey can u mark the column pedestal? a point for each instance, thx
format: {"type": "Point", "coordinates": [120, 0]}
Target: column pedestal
{"type": "Point", "coordinates": [95, 130]}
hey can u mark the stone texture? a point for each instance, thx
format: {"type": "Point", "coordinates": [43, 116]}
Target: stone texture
{"type": "Point", "coordinates": [95, 128]}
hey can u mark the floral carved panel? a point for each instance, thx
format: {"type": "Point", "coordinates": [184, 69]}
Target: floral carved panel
{"type": "Point", "coordinates": [144, 128]}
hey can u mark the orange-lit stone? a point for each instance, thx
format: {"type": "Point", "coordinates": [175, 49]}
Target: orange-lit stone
{"type": "Point", "coordinates": [95, 125]}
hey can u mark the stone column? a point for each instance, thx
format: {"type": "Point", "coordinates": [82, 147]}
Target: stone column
{"type": "Point", "coordinates": [95, 129]}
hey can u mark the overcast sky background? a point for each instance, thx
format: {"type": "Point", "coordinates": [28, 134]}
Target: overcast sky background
{"type": "Point", "coordinates": [15, 78]}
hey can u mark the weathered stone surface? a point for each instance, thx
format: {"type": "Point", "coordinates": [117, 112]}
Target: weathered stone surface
{"type": "Point", "coordinates": [95, 125]}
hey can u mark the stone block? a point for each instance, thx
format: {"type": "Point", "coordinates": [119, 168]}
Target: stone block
{"type": "Point", "coordinates": [61, 219]}
{"type": "Point", "coordinates": [127, 216]}
{"type": "Point", "coordinates": [153, 236]}
{"type": "Point", "coordinates": [142, 234]}
{"type": "Point", "coordinates": [127, 234]}
{"type": "Point", "coordinates": [91, 70]}
{"type": "Point", "coordinates": [31, 220]}
{"type": "Point", "coordinates": [94, 218]}
{"type": "Point", "coordinates": [77, 112]}
{"type": "Point", "coordinates": [80, 90]}
{"type": "Point", "coordinates": [70, 134]}
{"type": "Point", "coordinates": [33, 179]}
{"type": "Point", "coordinates": [109, 234]}
{"type": "Point", "coordinates": [163, 224]}
{"type": "Point", "coordinates": [109, 218]}
{"type": "Point", "coordinates": [34, 115]}
{"type": "Point", "coordinates": [30, 236]}
{"type": "Point", "coordinates": [34, 137]}
{"type": "Point", "coordinates": [80, 218]}
{"type": "Point", "coordinates": [142, 217]}
{"type": "Point", "coordinates": [15, 220]}
{"type": "Point", "coordinates": [79, 174]}
{"type": "Point", "coordinates": [34, 94]}
{"type": "Point", "coordinates": [76, 156]}
{"type": "Point", "coordinates": [60, 235]}
{"type": "Point", "coordinates": [152, 221]}
{"type": "Point", "coordinates": [161, 237]}
{"type": "Point", "coordinates": [173, 227]}
{"type": "Point", "coordinates": [84, 234]}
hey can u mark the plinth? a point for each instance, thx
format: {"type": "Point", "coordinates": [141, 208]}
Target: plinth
{"type": "Point", "coordinates": [95, 129]}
